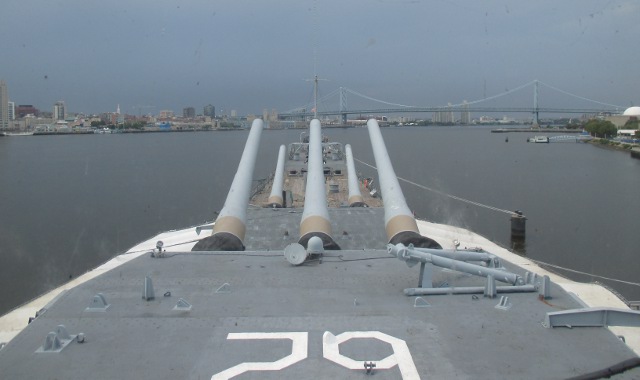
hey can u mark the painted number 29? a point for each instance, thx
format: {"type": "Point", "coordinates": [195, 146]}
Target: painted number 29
{"type": "Point", "coordinates": [330, 349]}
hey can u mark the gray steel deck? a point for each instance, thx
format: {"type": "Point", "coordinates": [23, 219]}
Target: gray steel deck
{"type": "Point", "coordinates": [351, 290]}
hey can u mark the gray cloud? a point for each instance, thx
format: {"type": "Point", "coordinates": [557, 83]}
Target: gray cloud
{"type": "Point", "coordinates": [249, 54]}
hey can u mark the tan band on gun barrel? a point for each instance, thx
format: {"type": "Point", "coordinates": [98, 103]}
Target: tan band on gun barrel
{"type": "Point", "coordinates": [275, 199]}
{"type": "Point", "coordinates": [401, 223]}
{"type": "Point", "coordinates": [355, 199]}
{"type": "Point", "coordinates": [315, 223]}
{"type": "Point", "coordinates": [230, 224]}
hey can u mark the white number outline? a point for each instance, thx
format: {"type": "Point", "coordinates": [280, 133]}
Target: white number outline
{"type": "Point", "coordinates": [401, 355]}
{"type": "Point", "coordinates": [330, 350]}
{"type": "Point", "coordinates": [298, 353]}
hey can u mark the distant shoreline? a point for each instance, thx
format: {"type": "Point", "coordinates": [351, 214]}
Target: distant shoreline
{"type": "Point", "coordinates": [536, 130]}
{"type": "Point", "coordinates": [116, 132]}
{"type": "Point", "coordinates": [633, 149]}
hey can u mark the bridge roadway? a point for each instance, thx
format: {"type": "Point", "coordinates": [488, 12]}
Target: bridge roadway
{"type": "Point", "coordinates": [451, 109]}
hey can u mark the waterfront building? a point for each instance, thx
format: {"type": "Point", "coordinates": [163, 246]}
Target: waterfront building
{"type": "Point", "coordinates": [59, 111]}
{"type": "Point", "coordinates": [12, 110]}
{"type": "Point", "coordinates": [234, 114]}
{"type": "Point", "coordinates": [209, 110]}
{"type": "Point", "coordinates": [119, 116]}
{"type": "Point", "coordinates": [188, 112]}
{"type": "Point", "coordinates": [435, 117]}
{"type": "Point", "coordinates": [443, 116]}
{"type": "Point", "coordinates": [4, 105]}
{"type": "Point", "coordinates": [32, 122]}
{"type": "Point", "coordinates": [166, 114]}
{"type": "Point", "coordinates": [465, 115]}
{"type": "Point", "coordinates": [109, 118]}
{"type": "Point", "coordinates": [23, 110]}
{"type": "Point", "coordinates": [487, 120]}
{"type": "Point", "coordinates": [620, 120]}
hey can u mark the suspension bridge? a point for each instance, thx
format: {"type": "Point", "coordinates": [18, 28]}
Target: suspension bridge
{"type": "Point", "coordinates": [477, 106]}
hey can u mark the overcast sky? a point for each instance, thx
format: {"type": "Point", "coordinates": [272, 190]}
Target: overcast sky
{"type": "Point", "coordinates": [253, 54]}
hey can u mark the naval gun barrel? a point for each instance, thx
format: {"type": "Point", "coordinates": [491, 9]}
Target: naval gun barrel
{"type": "Point", "coordinates": [230, 226]}
{"type": "Point", "coordinates": [315, 217]}
{"type": "Point", "coordinates": [355, 197]}
{"type": "Point", "coordinates": [275, 198]}
{"type": "Point", "coordinates": [400, 225]}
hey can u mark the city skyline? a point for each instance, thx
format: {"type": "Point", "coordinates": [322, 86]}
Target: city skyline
{"type": "Point", "coordinates": [440, 114]}
{"type": "Point", "coordinates": [250, 55]}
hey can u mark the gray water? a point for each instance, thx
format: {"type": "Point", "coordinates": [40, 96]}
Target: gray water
{"type": "Point", "coordinates": [70, 203]}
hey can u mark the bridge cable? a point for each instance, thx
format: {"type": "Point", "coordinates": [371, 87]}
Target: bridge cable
{"type": "Point", "coordinates": [442, 193]}
{"type": "Point", "coordinates": [310, 104]}
{"type": "Point", "coordinates": [332, 93]}
{"type": "Point", "coordinates": [453, 105]}
{"type": "Point", "coordinates": [495, 96]}
{"type": "Point", "coordinates": [378, 100]}
{"type": "Point", "coordinates": [578, 96]}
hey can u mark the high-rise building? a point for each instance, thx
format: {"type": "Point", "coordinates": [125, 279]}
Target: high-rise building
{"type": "Point", "coordinates": [465, 115]}
{"type": "Point", "coordinates": [12, 110]}
{"type": "Point", "coordinates": [188, 112]}
{"type": "Point", "coordinates": [119, 116]}
{"type": "Point", "coordinates": [444, 115]}
{"type": "Point", "coordinates": [209, 110]}
{"type": "Point", "coordinates": [4, 106]}
{"type": "Point", "coordinates": [59, 111]}
{"type": "Point", "coordinates": [273, 116]}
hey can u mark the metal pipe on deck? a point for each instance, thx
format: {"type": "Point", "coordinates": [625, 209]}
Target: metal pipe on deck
{"type": "Point", "coordinates": [275, 198]}
{"type": "Point", "coordinates": [413, 256]}
{"type": "Point", "coordinates": [468, 290]}
{"type": "Point", "coordinates": [355, 197]}
{"type": "Point", "coordinates": [230, 226]}
{"type": "Point", "coordinates": [399, 222]}
{"type": "Point", "coordinates": [462, 255]}
{"type": "Point", "coordinates": [315, 217]}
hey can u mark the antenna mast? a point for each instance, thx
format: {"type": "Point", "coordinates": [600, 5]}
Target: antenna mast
{"type": "Point", "coordinates": [315, 97]}
{"type": "Point", "coordinates": [315, 61]}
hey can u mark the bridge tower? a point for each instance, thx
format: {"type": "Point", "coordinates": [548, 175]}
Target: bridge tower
{"type": "Point", "coordinates": [343, 105]}
{"type": "Point", "coordinates": [535, 105]}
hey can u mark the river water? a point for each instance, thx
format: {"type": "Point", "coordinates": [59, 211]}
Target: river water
{"type": "Point", "coordinates": [70, 203]}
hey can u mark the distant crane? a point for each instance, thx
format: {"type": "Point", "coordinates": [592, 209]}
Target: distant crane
{"type": "Point", "coordinates": [140, 108]}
